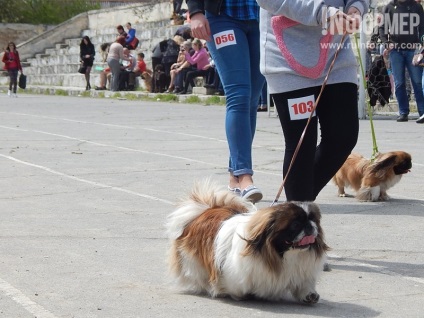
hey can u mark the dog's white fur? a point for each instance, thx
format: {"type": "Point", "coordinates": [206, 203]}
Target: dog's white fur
{"type": "Point", "coordinates": [241, 275]}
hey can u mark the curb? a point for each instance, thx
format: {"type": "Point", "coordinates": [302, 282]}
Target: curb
{"type": "Point", "coordinates": [130, 95]}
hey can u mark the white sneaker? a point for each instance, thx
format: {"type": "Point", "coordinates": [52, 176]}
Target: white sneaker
{"type": "Point", "coordinates": [9, 93]}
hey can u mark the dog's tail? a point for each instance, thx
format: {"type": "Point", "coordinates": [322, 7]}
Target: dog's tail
{"type": "Point", "coordinates": [205, 195]}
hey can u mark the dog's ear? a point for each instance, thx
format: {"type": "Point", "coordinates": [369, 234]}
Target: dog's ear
{"type": "Point", "coordinates": [258, 237]}
{"type": "Point", "coordinates": [384, 164]}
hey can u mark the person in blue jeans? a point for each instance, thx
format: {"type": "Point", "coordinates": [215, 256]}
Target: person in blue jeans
{"type": "Point", "coordinates": [402, 31]}
{"type": "Point", "coordinates": [231, 28]}
{"type": "Point", "coordinates": [263, 99]}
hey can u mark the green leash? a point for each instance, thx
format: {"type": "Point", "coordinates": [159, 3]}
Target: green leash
{"type": "Point", "coordinates": [374, 141]}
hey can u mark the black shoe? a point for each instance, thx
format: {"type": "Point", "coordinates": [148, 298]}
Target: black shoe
{"type": "Point", "coordinates": [402, 118]}
{"type": "Point", "coordinates": [209, 86]}
{"type": "Point", "coordinates": [420, 120]}
{"type": "Point", "coordinates": [262, 108]}
{"type": "Point", "coordinates": [182, 92]}
{"type": "Point", "coordinates": [88, 88]}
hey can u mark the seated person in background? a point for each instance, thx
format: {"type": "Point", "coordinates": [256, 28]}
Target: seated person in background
{"type": "Point", "coordinates": [142, 71]}
{"type": "Point", "coordinates": [181, 70]}
{"type": "Point", "coordinates": [130, 36]}
{"type": "Point", "coordinates": [201, 59]}
{"type": "Point", "coordinates": [105, 76]}
{"type": "Point", "coordinates": [141, 66]}
{"type": "Point", "coordinates": [121, 31]}
{"type": "Point", "coordinates": [213, 80]}
{"type": "Point", "coordinates": [126, 68]}
{"type": "Point", "coordinates": [180, 61]}
{"type": "Point", "coordinates": [185, 32]}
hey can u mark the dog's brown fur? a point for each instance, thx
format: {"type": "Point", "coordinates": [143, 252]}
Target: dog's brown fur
{"type": "Point", "coordinates": [372, 179]}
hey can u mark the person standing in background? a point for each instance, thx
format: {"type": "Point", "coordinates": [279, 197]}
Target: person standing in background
{"type": "Point", "coordinates": [87, 54]}
{"type": "Point", "coordinates": [114, 57]}
{"type": "Point", "coordinates": [232, 31]}
{"type": "Point", "coordinates": [12, 64]}
{"type": "Point", "coordinates": [402, 32]}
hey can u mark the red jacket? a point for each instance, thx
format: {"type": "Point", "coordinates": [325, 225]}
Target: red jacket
{"type": "Point", "coordinates": [10, 64]}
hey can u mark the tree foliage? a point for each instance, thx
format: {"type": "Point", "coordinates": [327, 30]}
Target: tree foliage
{"type": "Point", "coordinates": [43, 11]}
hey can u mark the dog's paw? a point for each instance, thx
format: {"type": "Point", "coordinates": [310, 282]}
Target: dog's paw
{"type": "Point", "coordinates": [384, 197]}
{"type": "Point", "coordinates": [311, 298]}
{"type": "Point", "coordinates": [345, 195]}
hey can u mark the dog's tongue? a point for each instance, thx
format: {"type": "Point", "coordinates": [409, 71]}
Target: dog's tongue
{"type": "Point", "coordinates": [307, 240]}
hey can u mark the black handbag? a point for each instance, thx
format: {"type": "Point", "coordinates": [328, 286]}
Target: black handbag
{"type": "Point", "coordinates": [82, 69]}
{"type": "Point", "coordinates": [22, 81]}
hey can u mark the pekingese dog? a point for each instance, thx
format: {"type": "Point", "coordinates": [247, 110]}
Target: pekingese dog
{"type": "Point", "coordinates": [224, 246]}
{"type": "Point", "coordinates": [372, 179]}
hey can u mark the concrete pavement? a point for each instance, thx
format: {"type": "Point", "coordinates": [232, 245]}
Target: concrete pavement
{"type": "Point", "coordinates": [87, 183]}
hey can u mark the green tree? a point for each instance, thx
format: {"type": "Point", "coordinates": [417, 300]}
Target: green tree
{"type": "Point", "coordinates": [11, 11]}
{"type": "Point", "coordinates": [44, 11]}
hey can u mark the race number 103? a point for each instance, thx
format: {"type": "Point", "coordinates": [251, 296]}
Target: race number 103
{"type": "Point", "coordinates": [303, 108]}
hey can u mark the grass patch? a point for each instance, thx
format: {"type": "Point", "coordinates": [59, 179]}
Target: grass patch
{"type": "Point", "coordinates": [192, 100]}
{"type": "Point", "coordinates": [61, 92]}
{"type": "Point", "coordinates": [165, 97]}
{"type": "Point", "coordinates": [86, 94]}
{"type": "Point", "coordinates": [116, 95]}
{"type": "Point", "coordinates": [131, 96]}
{"type": "Point", "coordinates": [101, 95]}
{"type": "Point", "coordinates": [214, 100]}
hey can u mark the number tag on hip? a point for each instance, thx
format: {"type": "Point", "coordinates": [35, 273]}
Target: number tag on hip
{"type": "Point", "coordinates": [301, 108]}
{"type": "Point", "coordinates": [224, 38]}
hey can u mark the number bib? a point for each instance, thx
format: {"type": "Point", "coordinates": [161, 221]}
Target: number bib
{"type": "Point", "coordinates": [301, 108]}
{"type": "Point", "coordinates": [224, 38]}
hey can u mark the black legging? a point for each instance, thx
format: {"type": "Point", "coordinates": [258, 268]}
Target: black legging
{"type": "Point", "coordinates": [13, 84]}
{"type": "Point", "coordinates": [191, 75]}
{"type": "Point", "coordinates": [337, 113]}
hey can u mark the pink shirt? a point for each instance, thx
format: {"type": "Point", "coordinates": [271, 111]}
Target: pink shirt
{"type": "Point", "coordinates": [201, 58]}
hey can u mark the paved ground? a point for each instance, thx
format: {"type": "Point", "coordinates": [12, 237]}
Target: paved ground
{"type": "Point", "coordinates": [87, 183]}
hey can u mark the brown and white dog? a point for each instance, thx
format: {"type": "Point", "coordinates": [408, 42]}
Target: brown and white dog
{"type": "Point", "coordinates": [224, 246]}
{"type": "Point", "coordinates": [372, 179]}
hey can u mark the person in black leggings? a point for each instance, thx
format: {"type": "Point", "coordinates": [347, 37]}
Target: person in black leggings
{"type": "Point", "coordinates": [304, 45]}
{"type": "Point", "coordinates": [314, 166]}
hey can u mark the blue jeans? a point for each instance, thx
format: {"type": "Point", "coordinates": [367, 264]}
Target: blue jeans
{"type": "Point", "coordinates": [263, 99]}
{"type": "Point", "coordinates": [399, 60]}
{"type": "Point", "coordinates": [238, 67]}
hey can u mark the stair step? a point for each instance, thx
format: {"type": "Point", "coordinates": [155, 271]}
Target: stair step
{"type": "Point", "coordinates": [203, 91]}
{"type": "Point", "coordinates": [62, 46]}
{"type": "Point", "coordinates": [41, 55]}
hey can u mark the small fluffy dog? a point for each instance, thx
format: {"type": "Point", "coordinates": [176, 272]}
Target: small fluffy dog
{"type": "Point", "coordinates": [223, 246]}
{"type": "Point", "coordinates": [371, 180]}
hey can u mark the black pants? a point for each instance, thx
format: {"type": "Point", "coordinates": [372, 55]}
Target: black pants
{"type": "Point", "coordinates": [191, 75]}
{"type": "Point", "coordinates": [13, 75]}
{"type": "Point", "coordinates": [337, 114]}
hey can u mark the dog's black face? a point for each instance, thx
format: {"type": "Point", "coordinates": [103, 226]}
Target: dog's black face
{"type": "Point", "coordinates": [299, 232]}
{"type": "Point", "coordinates": [403, 167]}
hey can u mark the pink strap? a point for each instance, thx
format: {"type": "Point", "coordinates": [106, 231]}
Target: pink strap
{"type": "Point", "coordinates": [279, 24]}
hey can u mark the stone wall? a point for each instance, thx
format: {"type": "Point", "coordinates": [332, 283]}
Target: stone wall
{"type": "Point", "coordinates": [19, 33]}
